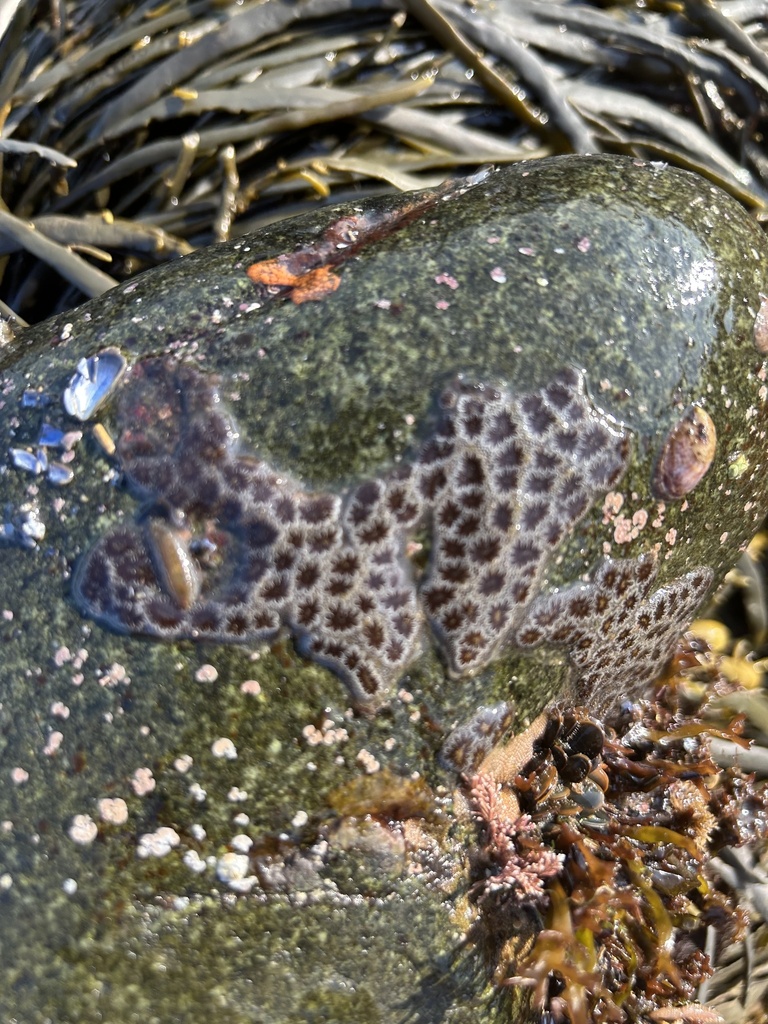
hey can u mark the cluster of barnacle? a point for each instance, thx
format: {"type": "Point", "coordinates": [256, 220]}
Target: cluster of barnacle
{"type": "Point", "coordinates": [633, 810]}
{"type": "Point", "coordinates": [233, 550]}
{"type": "Point", "coordinates": [22, 526]}
{"type": "Point", "coordinates": [92, 383]}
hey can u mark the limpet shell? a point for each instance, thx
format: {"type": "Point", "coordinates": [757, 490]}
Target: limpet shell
{"type": "Point", "coordinates": [761, 326]}
{"type": "Point", "coordinates": [176, 567]}
{"type": "Point", "coordinates": [686, 454]}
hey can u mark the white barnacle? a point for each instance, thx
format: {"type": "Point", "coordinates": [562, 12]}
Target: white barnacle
{"type": "Point", "coordinates": [29, 528]}
{"type": "Point", "coordinates": [24, 528]}
{"type": "Point", "coordinates": [93, 382]}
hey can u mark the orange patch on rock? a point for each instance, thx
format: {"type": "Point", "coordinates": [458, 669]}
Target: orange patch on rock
{"type": "Point", "coordinates": [307, 286]}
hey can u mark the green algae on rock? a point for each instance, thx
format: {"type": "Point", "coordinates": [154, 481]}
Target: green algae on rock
{"type": "Point", "coordinates": [442, 417]}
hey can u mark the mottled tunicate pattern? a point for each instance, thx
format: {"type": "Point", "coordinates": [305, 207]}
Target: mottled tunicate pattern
{"type": "Point", "coordinates": [227, 548]}
{"type": "Point", "coordinates": [616, 628]}
{"type": "Point", "coordinates": [467, 745]}
{"type": "Point", "coordinates": [507, 478]}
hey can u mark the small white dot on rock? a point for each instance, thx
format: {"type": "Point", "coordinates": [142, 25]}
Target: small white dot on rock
{"type": "Point", "coordinates": [113, 810]}
{"type": "Point", "coordinates": [224, 747]}
{"type": "Point", "coordinates": [83, 829]}
{"type": "Point", "coordinates": [368, 761]}
{"type": "Point", "coordinates": [157, 843]}
{"type": "Point", "coordinates": [143, 781]}
{"type": "Point", "coordinates": [194, 862]}
{"type": "Point", "coordinates": [69, 885]}
{"type": "Point", "coordinates": [232, 869]}
{"type": "Point", "coordinates": [197, 792]}
{"type": "Point", "coordinates": [206, 674]}
{"type": "Point", "coordinates": [241, 843]}
{"type": "Point", "coordinates": [53, 744]}
{"type": "Point", "coordinates": [61, 656]}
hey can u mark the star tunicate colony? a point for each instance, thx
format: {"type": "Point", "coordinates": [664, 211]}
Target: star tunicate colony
{"type": "Point", "coordinates": [231, 549]}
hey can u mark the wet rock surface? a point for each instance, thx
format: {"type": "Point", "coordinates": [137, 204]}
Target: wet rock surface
{"type": "Point", "coordinates": [514, 417]}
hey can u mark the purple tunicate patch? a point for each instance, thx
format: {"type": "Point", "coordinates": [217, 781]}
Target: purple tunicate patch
{"type": "Point", "coordinates": [619, 632]}
{"type": "Point", "coordinates": [501, 481]}
{"type": "Point", "coordinates": [512, 484]}
{"type": "Point", "coordinates": [467, 745]}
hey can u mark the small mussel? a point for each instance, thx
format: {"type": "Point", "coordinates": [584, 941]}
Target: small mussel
{"type": "Point", "coordinates": [58, 474]}
{"type": "Point", "coordinates": [93, 382]}
{"type": "Point", "coordinates": [51, 436]}
{"type": "Point", "coordinates": [575, 769]}
{"type": "Point", "coordinates": [572, 743]}
{"type": "Point", "coordinates": [37, 462]}
{"type": "Point", "coordinates": [30, 462]}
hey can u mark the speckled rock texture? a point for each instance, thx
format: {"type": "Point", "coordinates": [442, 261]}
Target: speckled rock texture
{"type": "Point", "coordinates": [363, 473]}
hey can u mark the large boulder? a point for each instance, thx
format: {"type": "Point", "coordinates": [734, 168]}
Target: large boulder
{"type": "Point", "coordinates": [280, 516]}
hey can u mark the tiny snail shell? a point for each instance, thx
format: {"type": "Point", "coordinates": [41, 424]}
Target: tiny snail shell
{"type": "Point", "coordinates": [177, 570]}
{"type": "Point", "coordinates": [686, 454]}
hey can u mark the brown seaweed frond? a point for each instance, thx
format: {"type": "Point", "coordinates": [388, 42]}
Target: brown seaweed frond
{"type": "Point", "coordinates": [618, 900]}
{"type": "Point", "coordinates": [135, 137]}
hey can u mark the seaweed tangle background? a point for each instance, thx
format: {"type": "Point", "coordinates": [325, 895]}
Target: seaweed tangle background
{"type": "Point", "coordinates": [133, 133]}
